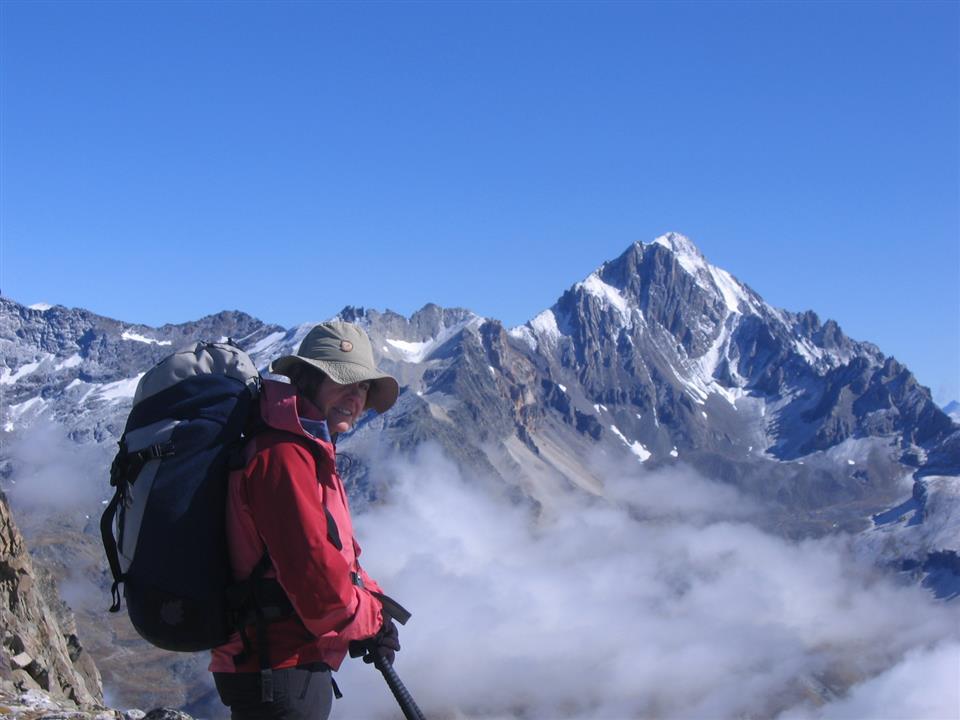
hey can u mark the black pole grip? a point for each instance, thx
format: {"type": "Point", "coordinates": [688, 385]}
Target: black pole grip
{"type": "Point", "coordinates": [399, 690]}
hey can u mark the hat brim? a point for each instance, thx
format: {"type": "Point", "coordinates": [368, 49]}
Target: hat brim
{"type": "Point", "coordinates": [384, 389]}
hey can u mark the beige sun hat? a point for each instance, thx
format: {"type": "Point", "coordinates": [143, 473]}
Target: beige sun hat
{"type": "Point", "coordinates": [342, 350]}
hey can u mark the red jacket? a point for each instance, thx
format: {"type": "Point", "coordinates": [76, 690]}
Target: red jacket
{"type": "Point", "coordinates": [277, 503]}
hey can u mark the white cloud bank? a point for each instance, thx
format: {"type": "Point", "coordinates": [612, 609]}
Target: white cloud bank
{"type": "Point", "coordinates": [923, 685]}
{"type": "Point", "coordinates": [660, 602]}
{"type": "Point", "coordinates": [49, 473]}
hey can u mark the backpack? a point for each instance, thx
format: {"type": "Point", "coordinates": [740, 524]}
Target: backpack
{"type": "Point", "coordinates": [164, 529]}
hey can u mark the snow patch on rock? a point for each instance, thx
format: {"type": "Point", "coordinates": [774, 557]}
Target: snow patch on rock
{"type": "Point", "coordinates": [114, 391]}
{"type": "Point", "coordinates": [545, 326]}
{"type": "Point", "coordinates": [608, 295]}
{"type": "Point", "coordinates": [136, 337]}
{"type": "Point", "coordinates": [525, 335]}
{"type": "Point", "coordinates": [412, 352]}
{"type": "Point", "coordinates": [267, 345]}
{"type": "Point", "coordinates": [636, 447]}
{"type": "Point", "coordinates": [71, 362]}
{"type": "Point", "coordinates": [9, 377]}
{"type": "Point", "coordinates": [28, 408]}
{"type": "Point", "coordinates": [687, 254]}
{"type": "Point", "coordinates": [417, 352]}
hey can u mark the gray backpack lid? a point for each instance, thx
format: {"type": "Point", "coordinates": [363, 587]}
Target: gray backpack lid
{"type": "Point", "coordinates": [201, 358]}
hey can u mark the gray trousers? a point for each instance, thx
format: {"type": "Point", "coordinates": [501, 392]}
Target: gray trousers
{"type": "Point", "coordinates": [299, 693]}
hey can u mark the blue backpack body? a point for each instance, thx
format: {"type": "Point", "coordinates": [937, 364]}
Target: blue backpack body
{"type": "Point", "coordinates": [163, 531]}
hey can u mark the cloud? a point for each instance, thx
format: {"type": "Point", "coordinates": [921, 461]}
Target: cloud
{"type": "Point", "coordinates": [657, 601]}
{"type": "Point", "coordinates": [52, 474]}
{"type": "Point", "coordinates": [925, 684]}
{"type": "Point", "coordinates": [55, 488]}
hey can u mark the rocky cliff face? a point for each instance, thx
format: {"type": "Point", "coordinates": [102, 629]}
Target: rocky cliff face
{"type": "Point", "coordinates": [40, 648]}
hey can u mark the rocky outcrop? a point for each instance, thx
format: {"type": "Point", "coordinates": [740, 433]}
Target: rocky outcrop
{"type": "Point", "coordinates": [36, 651]}
{"type": "Point", "coordinates": [45, 670]}
{"type": "Point", "coordinates": [38, 705]}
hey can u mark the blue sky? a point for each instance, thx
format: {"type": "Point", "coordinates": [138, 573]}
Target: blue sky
{"type": "Point", "coordinates": [165, 160]}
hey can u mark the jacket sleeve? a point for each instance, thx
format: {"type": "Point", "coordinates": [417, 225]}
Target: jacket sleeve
{"type": "Point", "coordinates": [286, 503]}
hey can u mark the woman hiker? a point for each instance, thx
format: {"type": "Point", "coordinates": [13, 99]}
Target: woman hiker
{"type": "Point", "coordinates": [288, 522]}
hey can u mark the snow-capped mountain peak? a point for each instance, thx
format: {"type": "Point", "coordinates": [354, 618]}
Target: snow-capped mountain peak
{"type": "Point", "coordinates": [687, 254]}
{"type": "Point", "coordinates": [736, 297]}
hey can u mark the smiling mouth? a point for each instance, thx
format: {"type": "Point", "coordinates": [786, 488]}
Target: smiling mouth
{"type": "Point", "coordinates": [343, 411]}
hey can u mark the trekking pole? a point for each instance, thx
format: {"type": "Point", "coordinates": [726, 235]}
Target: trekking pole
{"type": "Point", "coordinates": [380, 662]}
{"type": "Point", "coordinates": [399, 690]}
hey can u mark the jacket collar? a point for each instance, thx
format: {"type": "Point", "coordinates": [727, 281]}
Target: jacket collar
{"type": "Point", "coordinates": [280, 409]}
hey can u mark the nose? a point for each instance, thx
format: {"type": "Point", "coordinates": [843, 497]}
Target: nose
{"type": "Point", "coordinates": [359, 389]}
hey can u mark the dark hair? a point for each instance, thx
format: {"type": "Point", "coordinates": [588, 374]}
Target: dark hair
{"type": "Point", "coordinates": [306, 378]}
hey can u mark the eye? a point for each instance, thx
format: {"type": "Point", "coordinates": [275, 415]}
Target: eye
{"type": "Point", "coordinates": [365, 386]}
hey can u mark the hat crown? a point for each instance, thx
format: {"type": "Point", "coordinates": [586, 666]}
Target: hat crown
{"type": "Point", "coordinates": [338, 341]}
{"type": "Point", "coordinates": [343, 352]}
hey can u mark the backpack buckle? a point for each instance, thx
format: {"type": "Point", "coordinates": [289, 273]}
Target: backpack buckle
{"type": "Point", "coordinates": [266, 685]}
{"type": "Point", "coordinates": [120, 464]}
{"type": "Point", "coordinates": [155, 452]}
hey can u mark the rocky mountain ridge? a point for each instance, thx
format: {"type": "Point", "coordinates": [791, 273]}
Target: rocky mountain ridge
{"type": "Point", "coordinates": [655, 358]}
{"type": "Point", "coordinates": [656, 354]}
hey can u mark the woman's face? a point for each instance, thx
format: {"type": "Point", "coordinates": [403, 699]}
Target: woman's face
{"type": "Point", "coordinates": [341, 405]}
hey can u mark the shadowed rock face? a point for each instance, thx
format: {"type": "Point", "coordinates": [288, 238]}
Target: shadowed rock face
{"type": "Point", "coordinates": [40, 648]}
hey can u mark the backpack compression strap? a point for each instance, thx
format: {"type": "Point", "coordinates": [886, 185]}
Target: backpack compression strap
{"type": "Point", "coordinates": [110, 546]}
{"type": "Point", "coordinates": [258, 601]}
{"type": "Point", "coordinates": [126, 466]}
